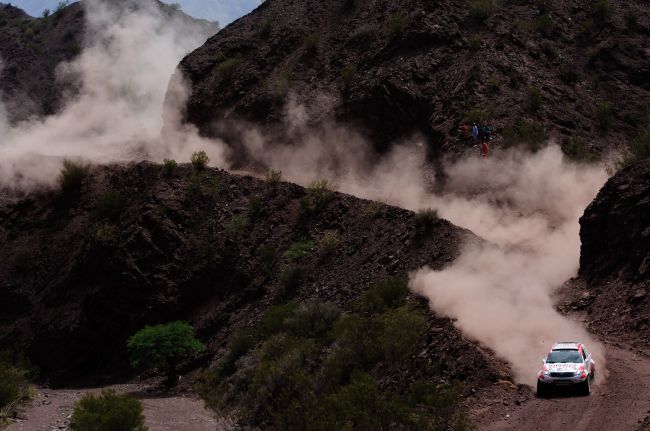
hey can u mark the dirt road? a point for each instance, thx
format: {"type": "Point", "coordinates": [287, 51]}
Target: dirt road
{"type": "Point", "coordinates": [621, 403]}
{"type": "Point", "coordinates": [50, 410]}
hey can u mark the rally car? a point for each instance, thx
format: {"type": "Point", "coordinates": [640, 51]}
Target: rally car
{"type": "Point", "coordinates": [568, 364]}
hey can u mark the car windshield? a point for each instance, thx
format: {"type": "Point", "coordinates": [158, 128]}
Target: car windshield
{"type": "Point", "coordinates": [564, 356]}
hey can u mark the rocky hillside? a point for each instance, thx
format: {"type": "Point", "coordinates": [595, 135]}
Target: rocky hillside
{"type": "Point", "coordinates": [615, 255]}
{"type": "Point", "coordinates": [83, 270]}
{"type": "Point", "coordinates": [574, 70]}
{"type": "Point", "coordinates": [32, 48]}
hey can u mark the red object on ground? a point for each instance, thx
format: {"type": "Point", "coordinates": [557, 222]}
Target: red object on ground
{"type": "Point", "coordinates": [485, 150]}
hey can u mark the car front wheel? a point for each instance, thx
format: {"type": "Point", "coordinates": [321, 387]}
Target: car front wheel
{"type": "Point", "coordinates": [542, 389]}
{"type": "Point", "coordinates": [585, 387]}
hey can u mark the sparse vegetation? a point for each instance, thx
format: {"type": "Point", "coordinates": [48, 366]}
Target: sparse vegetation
{"type": "Point", "coordinates": [15, 372]}
{"type": "Point", "coordinates": [169, 167]}
{"type": "Point", "coordinates": [279, 84]}
{"type": "Point", "coordinates": [568, 74]}
{"type": "Point", "coordinates": [254, 206]}
{"type": "Point", "coordinates": [311, 43]}
{"type": "Point", "coordinates": [268, 255]}
{"type": "Point", "coordinates": [477, 115]}
{"type": "Point", "coordinates": [576, 150]}
{"type": "Point", "coordinates": [273, 177]}
{"type": "Point", "coordinates": [348, 73]}
{"type": "Point", "coordinates": [425, 219]}
{"type": "Point", "coordinates": [199, 160]}
{"type": "Point", "coordinates": [640, 149]}
{"type": "Point", "coordinates": [110, 206]}
{"type": "Point", "coordinates": [164, 346]}
{"type": "Point", "coordinates": [226, 69]}
{"type": "Point", "coordinates": [481, 10]}
{"type": "Point", "coordinates": [236, 226]}
{"type": "Point", "coordinates": [543, 24]}
{"type": "Point", "coordinates": [474, 43]}
{"type": "Point", "coordinates": [72, 176]}
{"type": "Point", "coordinates": [317, 196]}
{"type": "Point", "coordinates": [107, 412]}
{"type": "Point", "coordinates": [290, 280]}
{"type": "Point", "coordinates": [534, 99]}
{"type": "Point", "coordinates": [372, 209]}
{"type": "Point", "coordinates": [396, 24]}
{"type": "Point", "coordinates": [312, 367]}
{"type": "Point", "coordinates": [528, 134]}
{"type": "Point", "coordinates": [329, 244]}
{"type": "Point", "coordinates": [604, 116]}
{"type": "Point", "coordinates": [298, 250]}
{"type": "Point", "coordinates": [384, 295]}
{"type": "Point", "coordinates": [105, 233]}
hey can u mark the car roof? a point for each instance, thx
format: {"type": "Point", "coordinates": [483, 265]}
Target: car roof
{"type": "Point", "coordinates": [567, 345]}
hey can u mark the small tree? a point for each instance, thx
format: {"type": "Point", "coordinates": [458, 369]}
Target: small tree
{"type": "Point", "coordinates": [107, 412]}
{"type": "Point", "coordinates": [164, 346]}
{"type": "Point", "coordinates": [199, 160]}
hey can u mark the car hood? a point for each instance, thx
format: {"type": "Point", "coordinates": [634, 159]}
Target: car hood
{"type": "Point", "coordinates": [563, 367]}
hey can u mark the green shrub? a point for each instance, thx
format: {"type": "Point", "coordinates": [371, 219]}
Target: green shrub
{"type": "Point", "coordinates": [348, 73]}
{"type": "Point", "coordinates": [226, 69]}
{"type": "Point", "coordinates": [543, 24]}
{"type": "Point", "coordinates": [576, 149]}
{"type": "Point", "coordinates": [241, 342]}
{"type": "Point", "coordinates": [298, 250]}
{"type": "Point", "coordinates": [105, 233]}
{"type": "Point", "coordinates": [372, 209]}
{"type": "Point", "coordinates": [107, 412]}
{"type": "Point", "coordinates": [329, 244]}
{"type": "Point", "coordinates": [169, 166]}
{"type": "Point", "coordinates": [318, 195]}
{"type": "Point", "coordinates": [273, 177]}
{"type": "Point", "coordinates": [385, 295]}
{"type": "Point", "coordinates": [604, 116]}
{"type": "Point", "coordinates": [475, 42]}
{"type": "Point", "coordinates": [279, 84]}
{"type": "Point", "coordinates": [110, 206]}
{"type": "Point", "coordinates": [396, 24]}
{"type": "Point", "coordinates": [268, 254]}
{"type": "Point", "coordinates": [199, 160]}
{"type": "Point", "coordinates": [530, 135]}
{"type": "Point", "coordinates": [640, 149]}
{"type": "Point", "coordinates": [290, 279]}
{"type": "Point", "coordinates": [163, 346]}
{"type": "Point", "coordinates": [254, 206]}
{"type": "Point", "coordinates": [534, 98]}
{"type": "Point", "coordinates": [272, 322]}
{"type": "Point", "coordinates": [72, 176]}
{"type": "Point", "coordinates": [312, 319]}
{"type": "Point", "coordinates": [402, 336]}
{"type": "Point", "coordinates": [601, 10]}
{"type": "Point", "coordinates": [477, 115]}
{"type": "Point", "coordinates": [481, 10]}
{"type": "Point", "coordinates": [311, 42]}
{"type": "Point", "coordinates": [425, 219]}
{"type": "Point", "coordinates": [14, 378]}
{"type": "Point", "coordinates": [236, 226]}
{"type": "Point", "coordinates": [568, 74]}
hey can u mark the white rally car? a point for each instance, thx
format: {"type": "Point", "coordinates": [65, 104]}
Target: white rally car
{"type": "Point", "coordinates": [567, 364]}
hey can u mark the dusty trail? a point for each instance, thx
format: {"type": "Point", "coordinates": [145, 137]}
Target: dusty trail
{"type": "Point", "coordinates": [51, 409]}
{"type": "Point", "coordinates": [619, 404]}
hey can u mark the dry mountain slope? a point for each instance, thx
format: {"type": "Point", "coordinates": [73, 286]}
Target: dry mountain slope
{"type": "Point", "coordinates": [136, 247]}
{"type": "Point", "coordinates": [577, 69]}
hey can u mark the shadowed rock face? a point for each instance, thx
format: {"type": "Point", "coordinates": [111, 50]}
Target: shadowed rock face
{"type": "Point", "coordinates": [615, 255]}
{"type": "Point", "coordinates": [401, 67]}
{"type": "Point", "coordinates": [76, 278]}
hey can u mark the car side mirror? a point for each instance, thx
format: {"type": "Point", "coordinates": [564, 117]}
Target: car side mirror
{"type": "Point", "coordinates": [543, 360]}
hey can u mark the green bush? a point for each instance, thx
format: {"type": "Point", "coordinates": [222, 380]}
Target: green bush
{"type": "Point", "coordinates": [311, 43]}
{"type": "Point", "coordinates": [385, 295]}
{"type": "Point", "coordinates": [477, 115]}
{"type": "Point", "coordinates": [272, 322]}
{"type": "Point", "coordinates": [107, 412]}
{"type": "Point", "coordinates": [72, 176]}
{"type": "Point", "coordinates": [640, 149]}
{"type": "Point", "coordinates": [14, 376]}
{"type": "Point", "coordinates": [318, 195]}
{"type": "Point", "coordinates": [425, 219]}
{"type": "Point", "coordinates": [568, 74]}
{"type": "Point", "coordinates": [241, 342]}
{"type": "Point", "coordinates": [226, 69]}
{"type": "Point", "coordinates": [601, 10]}
{"type": "Point", "coordinates": [298, 250]}
{"type": "Point", "coordinates": [273, 177]}
{"type": "Point", "coordinates": [110, 206]}
{"type": "Point", "coordinates": [290, 279]}
{"type": "Point", "coordinates": [481, 10]}
{"type": "Point", "coordinates": [396, 24]}
{"type": "Point", "coordinates": [329, 244]}
{"type": "Point", "coordinates": [474, 43]}
{"type": "Point", "coordinates": [236, 226]}
{"type": "Point", "coordinates": [268, 254]}
{"type": "Point", "coordinates": [312, 319]}
{"type": "Point", "coordinates": [169, 166]}
{"type": "Point", "coordinates": [527, 134]}
{"type": "Point", "coordinates": [199, 160]}
{"type": "Point", "coordinates": [105, 233]}
{"type": "Point", "coordinates": [254, 206]}
{"type": "Point", "coordinates": [163, 346]}
{"type": "Point", "coordinates": [604, 116]}
{"type": "Point", "coordinates": [402, 336]}
{"type": "Point", "coordinates": [534, 98]}
{"type": "Point", "coordinates": [279, 84]}
{"type": "Point", "coordinates": [543, 24]}
{"type": "Point", "coordinates": [372, 209]}
{"type": "Point", "coordinates": [348, 73]}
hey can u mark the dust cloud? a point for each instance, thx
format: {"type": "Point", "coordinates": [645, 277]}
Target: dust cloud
{"type": "Point", "coordinates": [525, 206]}
{"type": "Point", "coordinates": [124, 69]}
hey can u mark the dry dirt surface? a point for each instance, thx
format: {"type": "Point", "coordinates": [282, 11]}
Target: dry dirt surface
{"type": "Point", "coordinates": [50, 410]}
{"type": "Point", "coordinates": [620, 403]}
